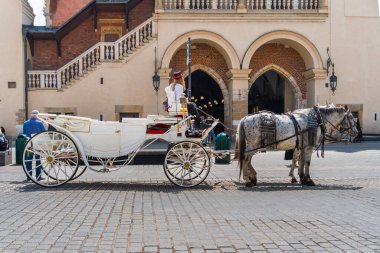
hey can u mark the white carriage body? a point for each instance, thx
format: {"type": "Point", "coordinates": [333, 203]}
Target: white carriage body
{"type": "Point", "coordinates": [79, 143]}
{"type": "Point", "coordinates": [109, 139]}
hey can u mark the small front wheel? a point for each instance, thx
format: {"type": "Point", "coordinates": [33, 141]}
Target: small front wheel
{"type": "Point", "coordinates": [50, 159]}
{"type": "Point", "coordinates": [187, 164]}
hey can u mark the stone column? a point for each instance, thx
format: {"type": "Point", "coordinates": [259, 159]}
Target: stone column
{"type": "Point", "coordinates": [242, 8]}
{"type": "Point", "coordinates": [317, 92]}
{"type": "Point", "coordinates": [238, 90]}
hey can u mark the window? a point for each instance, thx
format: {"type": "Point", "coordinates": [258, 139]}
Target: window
{"type": "Point", "coordinates": [11, 85]}
{"type": "Point", "coordinates": [111, 37]}
{"type": "Point", "coordinates": [111, 33]}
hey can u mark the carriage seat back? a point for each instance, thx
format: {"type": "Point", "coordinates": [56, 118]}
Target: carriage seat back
{"type": "Point", "coordinates": [176, 109]}
{"type": "Point", "coordinates": [73, 123]}
{"type": "Point", "coordinates": [136, 121]}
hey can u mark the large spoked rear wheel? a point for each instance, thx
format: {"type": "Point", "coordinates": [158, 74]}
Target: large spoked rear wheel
{"type": "Point", "coordinates": [50, 159]}
{"type": "Point", "coordinates": [187, 164]}
{"type": "Point", "coordinates": [81, 169]}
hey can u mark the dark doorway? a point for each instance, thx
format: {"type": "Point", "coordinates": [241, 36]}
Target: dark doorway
{"type": "Point", "coordinates": [207, 95]}
{"type": "Point", "coordinates": [267, 93]}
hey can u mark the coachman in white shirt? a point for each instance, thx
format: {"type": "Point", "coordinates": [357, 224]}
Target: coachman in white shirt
{"type": "Point", "coordinates": [175, 91]}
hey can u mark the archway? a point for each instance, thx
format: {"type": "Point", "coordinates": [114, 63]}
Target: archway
{"type": "Point", "coordinates": [292, 88]}
{"type": "Point", "coordinates": [206, 37]}
{"type": "Point", "coordinates": [271, 91]}
{"type": "Point", "coordinates": [300, 43]}
{"type": "Point", "coordinates": [207, 95]}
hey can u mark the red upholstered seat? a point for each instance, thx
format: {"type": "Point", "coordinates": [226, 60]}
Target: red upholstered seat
{"type": "Point", "coordinates": [158, 128]}
{"type": "Point", "coordinates": [155, 131]}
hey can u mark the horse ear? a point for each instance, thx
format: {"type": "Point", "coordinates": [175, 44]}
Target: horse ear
{"type": "Point", "coordinates": [346, 107]}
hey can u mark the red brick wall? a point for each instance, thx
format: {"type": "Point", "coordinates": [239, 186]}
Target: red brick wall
{"type": "Point", "coordinates": [141, 12]}
{"type": "Point", "coordinates": [72, 45]}
{"type": "Point", "coordinates": [65, 9]}
{"type": "Point", "coordinates": [45, 55]}
{"type": "Point", "coordinates": [78, 41]}
{"type": "Point", "coordinates": [286, 58]}
{"type": "Point", "coordinates": [202, 54]}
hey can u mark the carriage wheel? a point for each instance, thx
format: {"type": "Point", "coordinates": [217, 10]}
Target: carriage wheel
{"type": "Point", "coordinates": [187, 164]}
{"type": "Point", "coordinates": [53, 155]}
{"type": "Point", "coordinates": [81, 169]}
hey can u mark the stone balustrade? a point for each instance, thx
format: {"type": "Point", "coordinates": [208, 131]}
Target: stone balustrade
{"type": "Point", "coordinates": [89, 60]}
{"type": "Point", "coordinates": [249, 5]}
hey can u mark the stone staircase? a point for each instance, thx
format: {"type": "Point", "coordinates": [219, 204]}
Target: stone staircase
{"type": "Point", "coordinates": [120, 51]}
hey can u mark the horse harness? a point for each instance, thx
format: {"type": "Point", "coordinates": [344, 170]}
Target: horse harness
{"type": "Point", "coordinates": [297, 129]}
{"type": "Point", "coordinates": [268, 129]}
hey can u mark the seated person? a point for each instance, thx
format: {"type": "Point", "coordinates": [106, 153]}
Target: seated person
{"type": "Point", "coordinates": [174, 92]}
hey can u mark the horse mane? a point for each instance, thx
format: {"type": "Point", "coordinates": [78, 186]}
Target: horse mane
{"type": "Point", "coordinates": [327, 110]}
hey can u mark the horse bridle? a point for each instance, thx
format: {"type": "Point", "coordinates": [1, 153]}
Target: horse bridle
{"type": "Point", "coordinates": [344, 131]}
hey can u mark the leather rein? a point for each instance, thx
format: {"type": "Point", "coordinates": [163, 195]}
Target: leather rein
{"type": "Point", "coordinates": [329, 137]}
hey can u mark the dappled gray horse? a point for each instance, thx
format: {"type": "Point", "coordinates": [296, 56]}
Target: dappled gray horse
{"type": "Point", "coordinates": [301, 130]}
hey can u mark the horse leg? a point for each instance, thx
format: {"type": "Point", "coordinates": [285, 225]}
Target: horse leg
{"type": "Point", "coordinates": [301, 165]}
{"type": "Point", "coordinates": [291, 174]}
{"type": "Point", "coordinates": [294, 165]}
{"type": "Point", "coordinates": [308, 153]}
{"type": "Point", "coordinates": [251, 178]}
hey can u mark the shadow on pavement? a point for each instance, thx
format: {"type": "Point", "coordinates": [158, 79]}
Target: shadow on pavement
{"type": "Point", "coordinates": [112, 186]}
{"type": "Point", "coordinates": [273, 186]}
{"type": "Point", "coordinates": [353, 147]}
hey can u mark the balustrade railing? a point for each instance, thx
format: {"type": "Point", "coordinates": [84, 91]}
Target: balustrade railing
{"type": "Point", "coordinates": [282, 4]}
{"type": "Point", "coordinates": [89, 60]}
{"type": "Point", "coordinates": [233, 4]}
{"type": "Point", "coordinates": [199, 4]}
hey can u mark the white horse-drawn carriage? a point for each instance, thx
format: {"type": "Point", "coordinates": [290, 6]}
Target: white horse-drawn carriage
{"type": "Point", "coordinates": [53, 158]}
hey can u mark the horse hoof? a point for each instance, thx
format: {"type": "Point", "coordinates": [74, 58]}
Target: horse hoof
{"type": "Point", "coordinates": [294, 181]}
{"type": "Point", "coordinates": [310, 183]}
{"type": "Point", "coordinates": [249, 184]}
{"type": "Point", "coordinates": [254, 181]}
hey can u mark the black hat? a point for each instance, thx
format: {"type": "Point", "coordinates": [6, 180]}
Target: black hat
{"type": "Point", "coordinates": [177, 75]}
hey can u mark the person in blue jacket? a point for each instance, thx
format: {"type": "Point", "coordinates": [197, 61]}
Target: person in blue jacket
{"type": "Point", "coordinates": [31, 127]}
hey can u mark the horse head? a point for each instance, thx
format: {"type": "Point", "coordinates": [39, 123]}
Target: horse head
{"type": "Point", "coordinates": [339, 123]}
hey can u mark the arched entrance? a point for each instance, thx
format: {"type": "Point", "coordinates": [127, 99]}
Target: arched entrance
{"type": "Point", "coordinates": [207, 95]}
{"type": "Point", "coordinates": [271, 91]}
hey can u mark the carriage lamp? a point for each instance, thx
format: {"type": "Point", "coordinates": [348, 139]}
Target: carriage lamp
{"type": "Point", "coordinates": [333, 81]}
{"type": "Point", "coordinates": [333, 77]}
{"type": "Point", "coordinates": [156, 82]}
{"type": "Point", "coordinates": [156, 77]}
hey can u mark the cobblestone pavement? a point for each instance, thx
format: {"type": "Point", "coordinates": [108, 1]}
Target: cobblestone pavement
{"type": "Point", "coordinates": [138, 210]}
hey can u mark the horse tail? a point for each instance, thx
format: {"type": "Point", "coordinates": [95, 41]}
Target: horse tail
{"type": "Point", "coordinates": [240, 146]}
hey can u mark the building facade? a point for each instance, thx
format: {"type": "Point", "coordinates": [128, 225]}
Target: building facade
{"type": "Point", "coordinates": [97, 57]}
{"type": "Point", "coordinates": [13, 49]}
